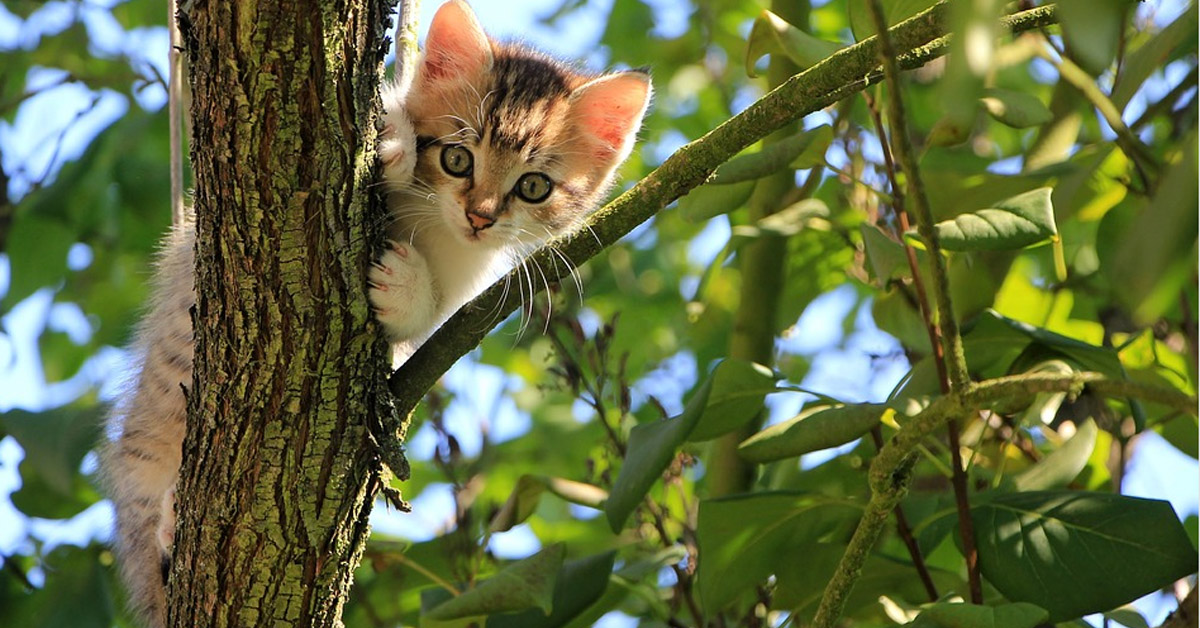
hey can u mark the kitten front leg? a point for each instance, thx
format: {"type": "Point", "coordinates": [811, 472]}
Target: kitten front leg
{"type": "Point", "coordinates": [402, 293]}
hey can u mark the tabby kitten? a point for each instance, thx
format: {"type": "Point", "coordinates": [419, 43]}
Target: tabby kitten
{"type": "Point", "coordinates": [493, 149]}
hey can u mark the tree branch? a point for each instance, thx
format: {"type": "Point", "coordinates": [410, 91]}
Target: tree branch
{"type": "Point", "coordinates": [845, 72]}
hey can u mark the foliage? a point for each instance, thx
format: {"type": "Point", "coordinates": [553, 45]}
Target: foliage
{"type": "Point", "coordinates": [1069, 242]}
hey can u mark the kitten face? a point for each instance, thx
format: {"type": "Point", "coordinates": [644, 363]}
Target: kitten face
{"type": "Point", "coordinates": [513, 147]}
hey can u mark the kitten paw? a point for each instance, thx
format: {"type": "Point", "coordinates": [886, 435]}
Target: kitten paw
{"type": "Point", "coordinates": [166, 522]}
{"type": "Point", "coordinates": [397, 147]}
{"type": "Point", "coordinates": [401, 291]}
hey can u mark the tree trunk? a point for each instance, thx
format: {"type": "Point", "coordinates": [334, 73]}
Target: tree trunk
{"type": "Point", "coordinates": [279, 473]}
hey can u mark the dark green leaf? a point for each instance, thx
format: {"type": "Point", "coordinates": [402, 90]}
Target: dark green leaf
{"type": "Point", "coordinates": [708, 200]}
{"type": "Point", "coordinates": [736, 392]}
{"type": "Point", "coordinates": [1092, 29]}
{"type": "Point", "coordinates": [896, 11]}
{"type": "Point", "coordinates": [1075, 553]}
{"type": "Point", "coordinates": [745, 538]}
{"type": "Point", "coordinates": [528, 583]}
{"type": "Point", "coordinates": [578, 586]}
{"type": "Point", "coordinates": [963, 615]}
{"type": "Point", "coordinates": [1153, 55]}
{"type": "Point", "coordinates": [730, 396]}
{"type": "Point", "coordinates": [803, 150]}
{"type": "Point", "coordinates": [76, 593]}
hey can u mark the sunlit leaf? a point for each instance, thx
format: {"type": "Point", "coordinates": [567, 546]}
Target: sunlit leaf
{"type": "Point", "coordinates": [525, 497]}
{"type": "Point", "coordinates": [1018, 222]}
{"type": "Point", "coordinates": [772, 34]}
{"type": "Point", "coordinates": [812, 430]}
{"type": "Point", "coordinates": [1061, 466]}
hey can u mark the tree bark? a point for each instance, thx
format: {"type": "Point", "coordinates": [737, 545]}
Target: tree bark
{"type": "Point", "coordinates": [279, 472]}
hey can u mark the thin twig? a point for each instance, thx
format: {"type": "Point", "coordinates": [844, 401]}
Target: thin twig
{"type": "Point", "coordinates": [954, 370]}
{"type": "Point", "coordinates": [406, 42]}
{"type": "Point", "coordinates": [174, 114]}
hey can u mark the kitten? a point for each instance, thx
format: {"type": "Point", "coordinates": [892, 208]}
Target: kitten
{"type": "Point", "coordinates": [493, 150]}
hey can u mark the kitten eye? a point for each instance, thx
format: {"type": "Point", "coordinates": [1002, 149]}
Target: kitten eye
{"type": "Point", "coordinates": [534, 187]}
{"type": "Point", "coordinates": [457, 160]}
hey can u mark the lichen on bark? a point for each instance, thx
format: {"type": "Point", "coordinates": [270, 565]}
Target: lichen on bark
{"type": "Point", "coordinates": [279, 469]}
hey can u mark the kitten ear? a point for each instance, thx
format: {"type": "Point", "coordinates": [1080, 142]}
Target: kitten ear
{"type": "Point", "coordinates": [608, 113]}
{"type": "Point", "coordinates": [456, 46]}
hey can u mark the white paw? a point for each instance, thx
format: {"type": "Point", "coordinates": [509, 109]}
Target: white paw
{"type": "Point", "coordinates": [397, 146]}
{"type": "Point", "coordinates": [401, 291]}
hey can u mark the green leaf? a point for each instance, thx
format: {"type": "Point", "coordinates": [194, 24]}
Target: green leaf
{"type": "Point", "coordinates": [1127, 617]}
{"type": "Point", "coordinates": [803, 150]}
{"type": "Point", "coordinates": [1152, 55]}
{"type": "Point", "coordinates": [139, 13]}
{"type": "Point", "coordinates": [76, 593]}
{"type": "Point", "coordinates": [736, 392]}
{"type": "Point", "coordinates": [896, 11]}
{"type": "Point", "coordinates": [963, 615]}
{"type": "Point", "coordinates": [708, 200]}
{"type": "Point", "coordinates": [1063, 464]}
{"type": "Point", "coordinates": [525, 497]}
{"type": "Point", "coordinates": [1016, 109]}
{"type": "Point", "coordinates": [887, 257]}
{"type": "Point", "coordinates": [773, 35]}
{"type": "Point", "coordinates": [525, 584]}
{"type": "Point", "coordinates": [55, 441]}
{"type": "Point", "coordinates": [1075, 553]}
{"type": "Point", "coordinates": [784, 223]}
{"type": "Point", "coordinates": [1181, 433]}
{"type": "Point", "coordinates": [651, 448]}
{"type": "Point", "coordinates": [731, 395]}
{"type": "Point", "coordinates": [1018, 222]}
{"type": "Point", "coordinates": [37, 252]}
{"type": "Point", "coordinates": [1153, 258]}
{"type": "Point", "coordinates": [812, 430]}
{"type": "Point", "coordinates": [1092, 29]}
{"type": "Point", "coordinates": [579, 584]}
{"type": "Point", "coordinates": [744, 538]}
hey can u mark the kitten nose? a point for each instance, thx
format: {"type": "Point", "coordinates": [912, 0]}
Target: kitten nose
{"type": "Point", "coordinates": [479, 222]}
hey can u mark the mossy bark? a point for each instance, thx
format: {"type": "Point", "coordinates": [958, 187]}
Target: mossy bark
{"type": "Point", "coordinates": [279, 473]}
